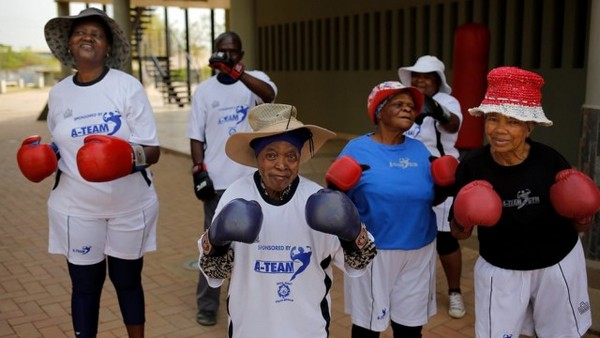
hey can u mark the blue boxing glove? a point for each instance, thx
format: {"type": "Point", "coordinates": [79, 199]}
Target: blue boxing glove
{"type": "Point", "coordinates": [239, 221]}
{"type": "Point", "coordinates": [332, 212]}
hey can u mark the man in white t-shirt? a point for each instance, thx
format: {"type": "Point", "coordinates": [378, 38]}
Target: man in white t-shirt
{"type": "Point", "coordinates": [220, 107]}
{"type": "Point", "coordinates": [437, 127]}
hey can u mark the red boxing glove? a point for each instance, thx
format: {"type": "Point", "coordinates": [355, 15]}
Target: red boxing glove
{"type": "Point", "coordinates": [223, 63]}
{"type": "Point", "coordinates": [575, 196]}
{"type": "Point", "coordinates": [344, 173]}
{"type": "Point", "coordinates": [477, 204]}
{"type": "Point", "coordinates": [235, 72]}
{"type": "Point", "coordinates": [105, 158]}
{"type": "Point", "coordinates": [443, 170]}
{"type": "Point", "coordinates": [37, 161]}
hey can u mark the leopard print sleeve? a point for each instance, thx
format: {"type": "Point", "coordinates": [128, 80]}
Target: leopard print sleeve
{"type": "Point", "coordinates": [360, 259]}
{"type": "Point", "coordinates": [217, 267]}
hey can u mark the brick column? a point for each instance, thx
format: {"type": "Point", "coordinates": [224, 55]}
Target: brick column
{"type": "Point", "coordinates": [589, 145]}
{"type": "Point", "coordinates": [589, 163]}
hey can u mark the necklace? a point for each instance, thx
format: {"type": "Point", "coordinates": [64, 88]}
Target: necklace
{"type": "Point", "coordinates": [284, 192]}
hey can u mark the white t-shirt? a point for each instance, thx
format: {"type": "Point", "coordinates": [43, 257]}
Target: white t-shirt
{"type": "Point", "coordinates": [218, 111]}
{"type": "Point", "coordinates": [116, 105]}
{"type": "Point", "coordinates": [426, 133]}
{"type": "Point", "coordinates": [280, 285]}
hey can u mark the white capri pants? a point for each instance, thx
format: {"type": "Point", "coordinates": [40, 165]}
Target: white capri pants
{"type": "Point", "coordinates": [399, 285]}
{"type": "Point", "coordinates": [88, 240]}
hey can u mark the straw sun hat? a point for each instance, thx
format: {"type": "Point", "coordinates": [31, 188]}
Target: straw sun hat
{"type": "Point", "coordinates": [272, 119]}
{"type": "Point", "coordinates": [516, 93]}
{"type": "Point", "coordinates": [57, 32]}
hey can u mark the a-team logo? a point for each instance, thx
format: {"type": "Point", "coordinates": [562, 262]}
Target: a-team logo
{"type": "Point", "coordinates": [299, 260]}
{"type": "Point", "coordinates": [274, 266]}
{"type": "Point", "coordinates": [403, 163]}
{"type": "Point", "coordinates": [83, 251]}
{"type": "Point", "coordinates": [111, 123]}
{"type": "Point", "coordinates": [237, 117]}
{"type": "Point", "coordinates": [302, 256]}
{"type": "Point", "coordinates": [383, 314]}
{"type": "Point", "coordinates": [523, 199]}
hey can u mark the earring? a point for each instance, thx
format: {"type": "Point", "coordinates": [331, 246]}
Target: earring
{"type": "Point", "coordinates": [107, 55]}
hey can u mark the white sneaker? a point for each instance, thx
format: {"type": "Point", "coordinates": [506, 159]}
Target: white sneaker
{"type": "Point", "coordinates": [456, 306]}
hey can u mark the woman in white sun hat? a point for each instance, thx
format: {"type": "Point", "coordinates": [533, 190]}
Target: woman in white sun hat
{"type": "Point", "coordinates": [277, 235]}
{"type": "Point", "coordinates": [529, 206]}
{"type": "Point", "coordinates": [437, 126]}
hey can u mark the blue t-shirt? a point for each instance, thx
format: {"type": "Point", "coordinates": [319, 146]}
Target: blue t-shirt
{"type": "Point", "coordinates": [394, 196]}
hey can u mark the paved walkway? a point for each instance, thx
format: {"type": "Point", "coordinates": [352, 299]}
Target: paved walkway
{"type": "Point", "coordinates": [34, 285]}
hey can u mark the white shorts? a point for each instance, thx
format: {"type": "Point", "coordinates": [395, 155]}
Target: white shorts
{"type": "Point", "coordinates": [549, 302]}
{"type": "Point", "coordinates": [399, 285]}
{"type": "Point", "coordinates": [86, 241]}
{"type": "Point", "coordinates": [442, 211]}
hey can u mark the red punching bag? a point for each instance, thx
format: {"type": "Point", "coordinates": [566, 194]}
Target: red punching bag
{"type": "Point", "coordinates": [470, 67]}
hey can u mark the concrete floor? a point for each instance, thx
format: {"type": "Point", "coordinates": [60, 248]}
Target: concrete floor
{"type": "Point", "coordinates": [34, 285]}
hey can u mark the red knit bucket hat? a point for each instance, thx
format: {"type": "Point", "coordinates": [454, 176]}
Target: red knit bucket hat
{"type": "Point", "coordinates": [516, 93]}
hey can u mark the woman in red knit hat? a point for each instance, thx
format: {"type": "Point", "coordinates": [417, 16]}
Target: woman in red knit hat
{"type": "Point", "coordinates": [529, 206]}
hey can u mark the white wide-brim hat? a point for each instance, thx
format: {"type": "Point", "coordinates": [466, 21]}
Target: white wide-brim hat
{"type": "Point", "coordinates": [516, 93]}
{"type": "Point", "coordinates": [57, 31]}
{"type": "Point", "coordinates": [425, 64]}
{"type": "Point", "coordinates": [272, 119]}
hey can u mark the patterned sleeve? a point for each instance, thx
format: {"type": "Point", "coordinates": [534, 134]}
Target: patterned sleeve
{"type": "Point", "coordinates": [360, 254]}
{"type": "Point", "coordinates": [217, 266]}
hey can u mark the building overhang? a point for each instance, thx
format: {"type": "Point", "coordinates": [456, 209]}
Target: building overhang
{"type": "Point", "coordinates": [223, 4]}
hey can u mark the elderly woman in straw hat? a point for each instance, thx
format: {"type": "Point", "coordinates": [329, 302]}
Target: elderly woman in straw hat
{"type": "Point", "coordinates": [277, 235]}
{"type": "Point", "coordinates": [103, 208]}
{"type": "Point", "coordinates": [529, 206]}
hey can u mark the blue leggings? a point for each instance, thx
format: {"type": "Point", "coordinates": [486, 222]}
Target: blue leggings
{"type": "Point", "coordinates": [87, 282]}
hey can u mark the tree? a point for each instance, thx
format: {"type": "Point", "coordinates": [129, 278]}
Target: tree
{"type": "Point", "coordinates": [12, 61]}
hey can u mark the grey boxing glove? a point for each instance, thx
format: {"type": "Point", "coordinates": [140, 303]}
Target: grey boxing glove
{"type": "Point", "coordinates": [239, 221]}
